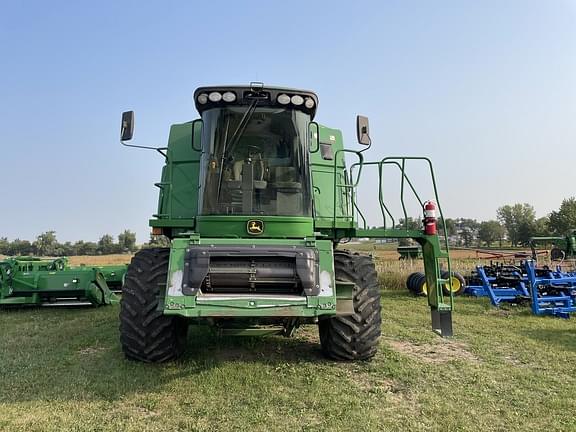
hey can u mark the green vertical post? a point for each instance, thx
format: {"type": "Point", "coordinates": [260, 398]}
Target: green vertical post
{"type": "Point", "coordinates": [440, 311]}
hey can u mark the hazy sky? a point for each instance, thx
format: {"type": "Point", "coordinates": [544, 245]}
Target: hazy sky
{"type": "Point", "coordinates": [487, 89]}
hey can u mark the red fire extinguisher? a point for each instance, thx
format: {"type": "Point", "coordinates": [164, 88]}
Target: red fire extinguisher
{"type": "Point", "coordinates": [430, 218]}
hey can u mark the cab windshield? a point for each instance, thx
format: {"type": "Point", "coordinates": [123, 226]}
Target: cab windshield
{"type": "Point", "coordinates": [255, 163]}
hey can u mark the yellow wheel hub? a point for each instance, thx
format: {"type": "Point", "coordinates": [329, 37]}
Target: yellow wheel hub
{"type": "Point", "coordinates": [424, 288]}
{"type": "Point", "coordinates": [456, 284]}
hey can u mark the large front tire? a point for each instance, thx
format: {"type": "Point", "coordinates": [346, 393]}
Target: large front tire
{"type": "Point", "coordinates": [146, 334]}
{"type": "Point", "coordinates": [356, 336]}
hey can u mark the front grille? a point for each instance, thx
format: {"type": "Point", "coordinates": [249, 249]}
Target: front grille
{"type": "Point", "coordinates": [242, 269]}
{"type": "Point", "coordinates": [252, 275]}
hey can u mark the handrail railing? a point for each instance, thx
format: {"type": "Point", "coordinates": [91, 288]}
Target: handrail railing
{"type": "Point", "coordinates": [433, 178]}
{"type": "Point", "coordinates": [400, 162]}
{"type": "Point", "coordinates": [431, 245]}
{"type": "Point", "coordinates": [383, 206]}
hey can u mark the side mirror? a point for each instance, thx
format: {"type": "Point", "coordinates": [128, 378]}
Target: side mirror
{"type": "Point", "coordinates": [363, 130]}
{"type": "Point", "coordinates": [127, 128]}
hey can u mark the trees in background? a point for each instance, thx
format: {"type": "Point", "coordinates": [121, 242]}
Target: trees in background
{"type": "Point", "coordinates": [467, 230]}
{"type": "Point", "coordinates": [542, 226]}
{"type": "Point", "coordinates": [491, 231]}
{"type": "Point", "coordinates": [409, 223]}
{"type": "Point", "coordinates": [127, 241]}
{"type": "Point", "coordinates": [519, 220]}
{"type": "Point", "coordinates": [516, 221]}
{"type": "Point", "coordinates": [85, 248]}
{"type": "Point", "coordinates": [16, 247]}
{"type": "Point", "coordinates": [46, 244]}
{"type": "Point", "coordinates": [451, 228]}
{"type": "Point", "coordinates": [106, 245]}
{"type": "Point", "coordinates": [564, 219]}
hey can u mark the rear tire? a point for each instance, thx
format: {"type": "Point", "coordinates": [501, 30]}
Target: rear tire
{"type": "Point", "coordinates": [146, 334]}
{"type": "Point", "coordinates": [412, 283]}
{"type": "Point", "coordinates": [354, 337]}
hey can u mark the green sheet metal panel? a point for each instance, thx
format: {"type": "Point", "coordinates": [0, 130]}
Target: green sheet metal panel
{"type": "Point", "coordinates": [256, 305]}
{"type": "Point", "coordinates": [178, 198]}
{"type": "Point", "coordinates": [323, 178]}
{"type": "Point", "coordinates": [272, 226]}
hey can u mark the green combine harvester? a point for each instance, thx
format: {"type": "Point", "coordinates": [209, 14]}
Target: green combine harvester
{"type": "Point", "coordinates": [256, 199]}
{"type": "Point", "coordinates": [562, 247]}
{"type": "Point", "coordinates": [33, 281]}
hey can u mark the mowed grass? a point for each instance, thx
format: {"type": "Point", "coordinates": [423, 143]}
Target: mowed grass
{"type": "Point", "coordinates": [62, 369]}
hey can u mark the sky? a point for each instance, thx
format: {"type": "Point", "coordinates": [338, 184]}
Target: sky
{"type": "Point", "coordinates": [486, 89]}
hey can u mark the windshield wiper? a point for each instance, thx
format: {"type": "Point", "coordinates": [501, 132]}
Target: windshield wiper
{"type": "Point", "coordinates": [229, 144]}
{"type": "Point", "coordinates": [241, 126]}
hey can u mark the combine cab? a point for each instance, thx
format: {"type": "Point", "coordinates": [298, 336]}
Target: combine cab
{"type": "Point", "coordinates": [256, 197]}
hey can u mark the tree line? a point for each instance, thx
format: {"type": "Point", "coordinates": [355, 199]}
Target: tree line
{"type": "Point", "coordinates": [514, 223]}
{"type": "Point", "coordinates": [46, 244]}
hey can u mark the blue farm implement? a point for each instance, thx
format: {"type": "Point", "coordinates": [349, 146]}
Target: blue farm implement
{"type": "Point", "coordinates": [550, 292]}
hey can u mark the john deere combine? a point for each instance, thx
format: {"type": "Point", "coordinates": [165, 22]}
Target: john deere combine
{"type": "Point", "coordinates": [563, 247]}
{"type": "Point", "coordinates": [27, 281]}
{"type": "Point", "coordinates": [256, 198]}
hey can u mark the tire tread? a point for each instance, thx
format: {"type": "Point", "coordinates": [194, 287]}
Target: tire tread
{"type": "Point", "coordinates": [356, 336]}
{"type": "Point", "coordinates": [146, 334]}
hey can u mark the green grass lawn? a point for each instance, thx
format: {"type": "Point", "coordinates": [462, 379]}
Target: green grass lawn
{"type": "Point", "coordinates": [504, 370]}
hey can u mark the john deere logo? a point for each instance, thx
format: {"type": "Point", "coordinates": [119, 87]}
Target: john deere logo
{"type": "Point", "coordinates": [255, 227]}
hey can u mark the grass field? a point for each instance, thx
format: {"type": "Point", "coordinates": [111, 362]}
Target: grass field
{"type": "Point", "coordinates": [62, 369]}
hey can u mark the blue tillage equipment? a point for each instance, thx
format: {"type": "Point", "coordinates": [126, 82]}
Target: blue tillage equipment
{"type": "Point", "coordinates": [550, 292]}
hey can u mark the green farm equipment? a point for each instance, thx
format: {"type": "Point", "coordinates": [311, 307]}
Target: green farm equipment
{"type": "Point", "coordinates": [51, 282]}
{"type": "Point", "coordinates": [409, 252]}
{"type": "Point", "coordinates": [256, 198]}
{"type": "Point", "coordinates": [562, 247]}
{"type": "Point", "coordinates": [114, 275]}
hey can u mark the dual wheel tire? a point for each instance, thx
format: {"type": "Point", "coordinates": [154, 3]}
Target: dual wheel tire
{"type": "Point", "coordinates": [416, 283]}
{"type": "Point", "coordinates": [147, 335]}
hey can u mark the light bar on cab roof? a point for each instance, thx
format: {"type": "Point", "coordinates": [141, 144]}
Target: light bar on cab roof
{"type": "Point", "coordinates": [220, 96]}
{"type": "Point", "coordinates": [215, 97]}
{"type": "Point", "coordinates": [229, 96]}
{"type": "Point", "coordinates": [283, 99]}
